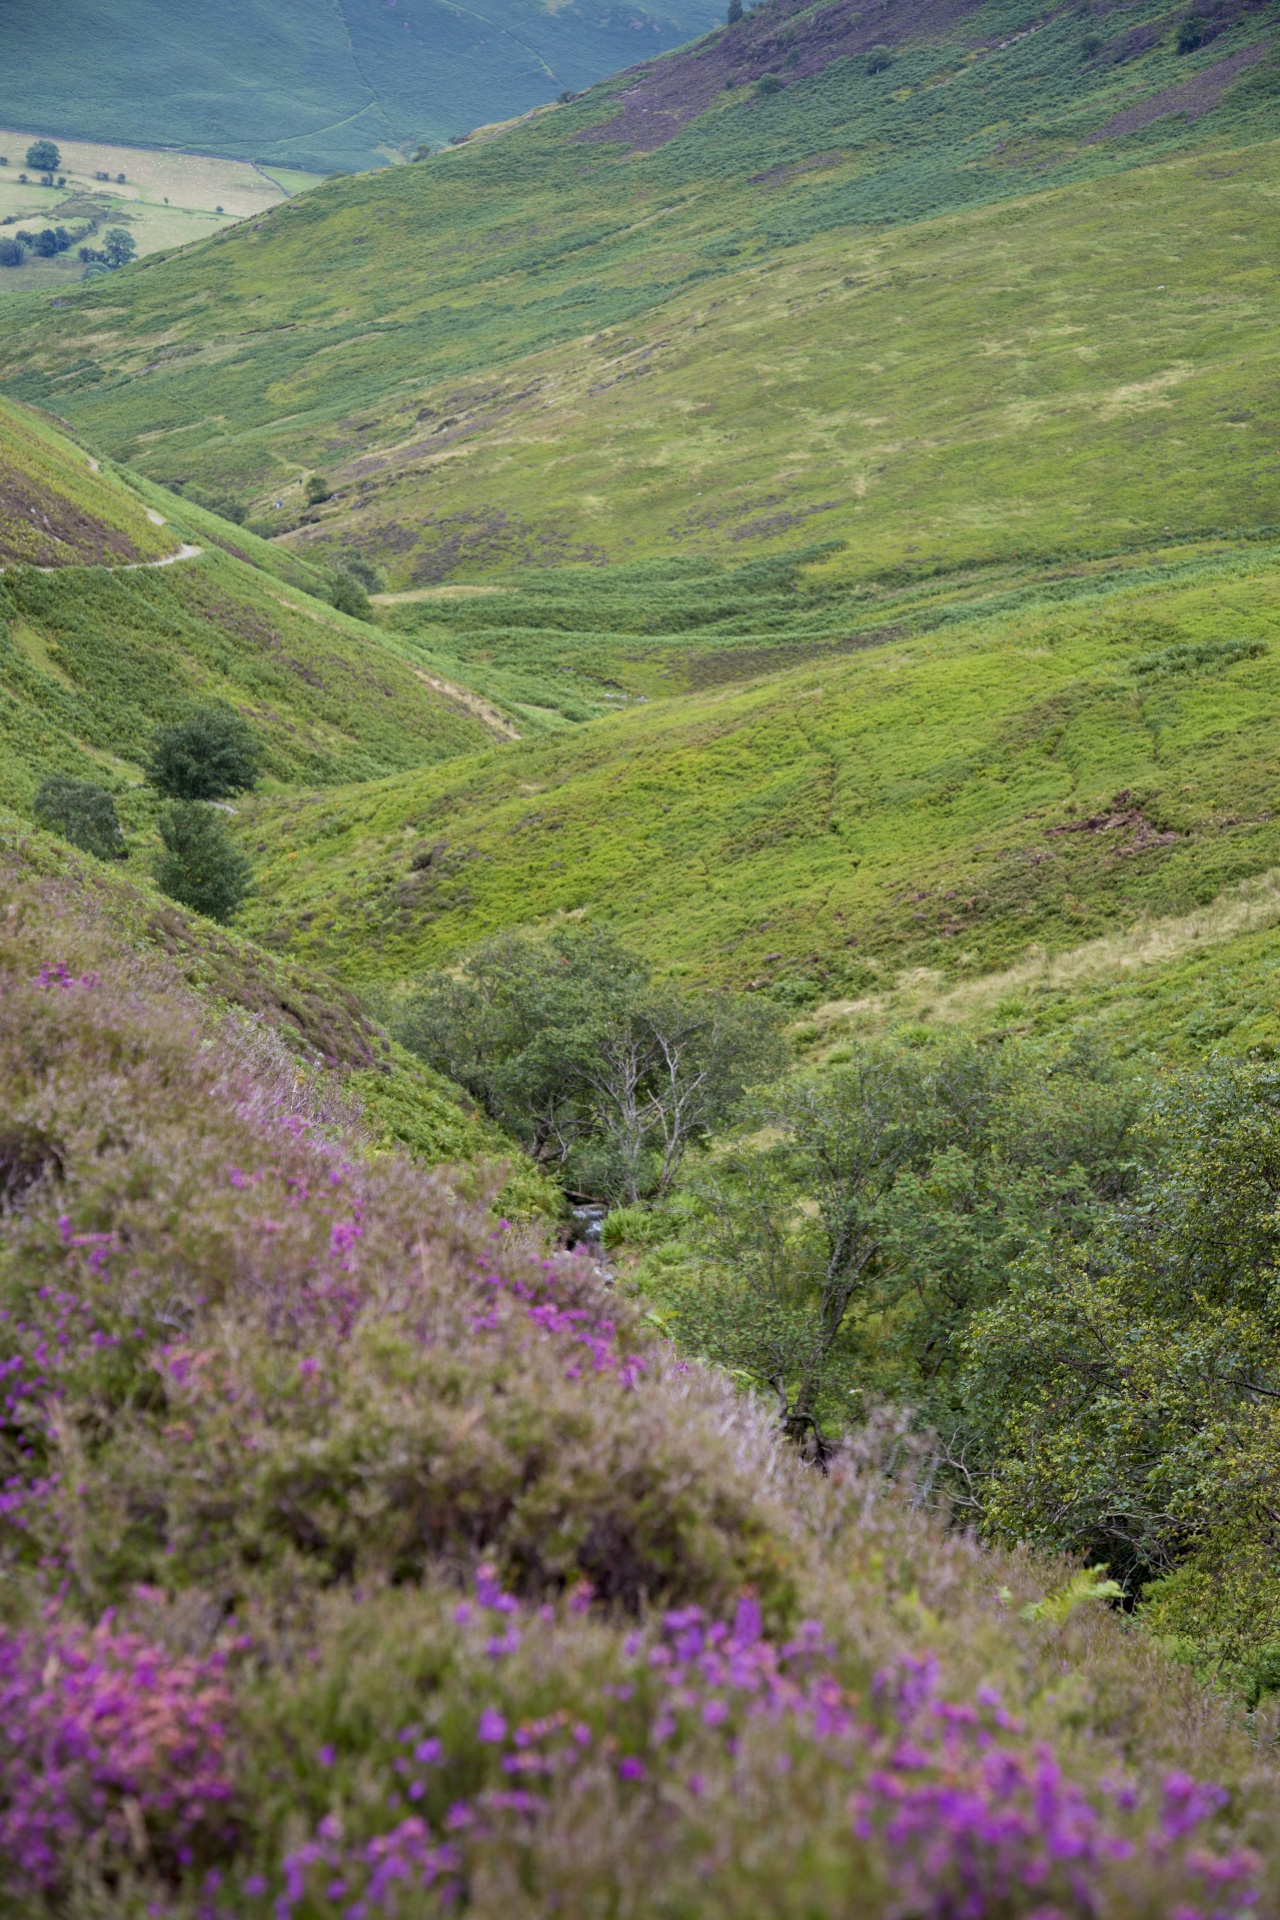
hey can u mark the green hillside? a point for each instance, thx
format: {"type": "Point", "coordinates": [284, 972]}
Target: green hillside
{"type": "Point", "coordinates": [1037, 767]}
{"type": "Point", "coordinates": [290, 83]}
{"type": "Point", "coordinates": [58, 507]}
{"type": "Point", "coordinates": [93, 657]}
{"type": "Point", "coordinates": [929, 308]}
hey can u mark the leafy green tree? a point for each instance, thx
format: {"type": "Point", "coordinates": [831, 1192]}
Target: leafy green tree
{"type": "Point", "coordinates": [869, 1210]}
{"type": "Point", "coordinates": [201, 867]}
{"type": "Point", "coordinates": [349, 596]}
{"type": "Point", "coordinates": [1128, 1394]}
{"type": "Point", "coordinates": [83, 813]}
{"type": "Point", "coordinates": [209, 754]}
{"type": "Point", "coordinates": [12, 253]}
{"type": "Point", "coordinates": [118, 247]}
{"type": "Point", "coordinates": [370, 576]}
{"type": "Point", "coordinates": [734, 13]}
{"type": "Point", "coordinates": [604, 1077]}
{"type": "Point", "coordinates": [1192, 33]}
{"type": "Point", "coordinates": [43, 157]}
{"type": "Point", "coordinates": [318, 490]}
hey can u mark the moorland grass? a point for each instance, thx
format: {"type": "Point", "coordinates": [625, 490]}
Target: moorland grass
{"type": "Point", "coordinates": [947, 798]}
{"type": "Point", "coordinates": [945, 342]}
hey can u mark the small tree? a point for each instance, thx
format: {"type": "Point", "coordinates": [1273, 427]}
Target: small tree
{"type": "Point", "coordinates": [1192, 33]}
{"type": "Point", "coordinates": [118, 247]}
{"type": "Point", "coordinates": [83, 813]}
{"type": "Point", "coordinates": [207, 755]}
{"type": "Point", "coordinates": [12, 253]}
{"type": "Point", "coordinates": [349, 597]}
{"type": "Point", "coordinates": [735, 12]}
{"type": "Point", "coordinates": [43, 157]}
{"type": "Point", "coordinates": [201, 868]}
{"type": "Point", "coordinates": [769, 83]}
{"type": "Point", "coordinates": [318, 490]}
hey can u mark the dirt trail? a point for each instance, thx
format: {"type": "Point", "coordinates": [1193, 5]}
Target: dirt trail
{"type": "Point", "coordinates": [488, 715]}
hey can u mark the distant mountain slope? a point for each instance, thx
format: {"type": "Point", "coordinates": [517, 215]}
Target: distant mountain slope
{"type": "Point", "coordinates": [57, 507]}
{"type": "Point", "coordinates": [917, 299]}
{"type": "Point", "coordinates": [339, 84]}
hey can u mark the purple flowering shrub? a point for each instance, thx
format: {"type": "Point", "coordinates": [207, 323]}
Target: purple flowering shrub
{"type": "Point", "coordinates": [111, 1750]}
{"type": "Point", "coordinates": [544, 1763]}
{"type": "Point", "coordinates": [234, 1347]}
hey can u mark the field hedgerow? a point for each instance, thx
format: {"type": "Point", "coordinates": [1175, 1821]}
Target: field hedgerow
{"type": "Point", "coordinates": [358, 1558]}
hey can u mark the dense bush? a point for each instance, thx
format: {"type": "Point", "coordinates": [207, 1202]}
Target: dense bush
{"type": "Point", "coordinates": [349, 596]}
{"type": "Point", "coordinates": [201, 866]}
{"type": "Point", "coordinates": [208, 755]}
{"type": "Point", "coordinates": [1127, 1391]}
{"type": "Point", "coordinates": [81, 812]}
{"type": "Point", "coordinates": [839, 1248]}
{"type": "Point", "coordinates": [603, 1075]}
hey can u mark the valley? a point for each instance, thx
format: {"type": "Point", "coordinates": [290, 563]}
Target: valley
{"type": "Point", "coordinates": [640, 968]}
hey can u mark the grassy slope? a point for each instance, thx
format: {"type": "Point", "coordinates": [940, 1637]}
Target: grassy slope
{"type": "Point", "coordinates": [870, 811]}
{"type": "Point", "coordinates": [58, 508]}
{"type": "Point", "coordinates": [93, 657]}
{"type": "Point", "coordinates": [286, 80]}
{"type": "Point", "coordinates": [536, 349]}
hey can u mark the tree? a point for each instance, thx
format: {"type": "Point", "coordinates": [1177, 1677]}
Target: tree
{"type": "Point", "coordinates": [43, 157]}
{"type": "Point", "coordinates": [118, 247]}
{"type": "Point", "coordinates": [769, 83]}
{"type": "Point", "coordinates": [318, 490]}
{"type": "Point", "coordinates": [207, 755]}
{"type": "Point", "coordinates": [201, 868]}
{"type": "Point", "coordinates": [1128, 1393]}
{"type": "Point", "coordinates": [1192, 33]}
{"type": "Point", "coordinates": [734, 13]}
{"type": "Point", "coordinates": [870, 1210]}
{"type": "Point", "coordinates": [604, 1078]}
{"type": "Point", "coordinates": [349, 597]}
{"type": "Point", "coordinates": [83, 813]}
{"type": "Point", "coordinates": [12, 253]}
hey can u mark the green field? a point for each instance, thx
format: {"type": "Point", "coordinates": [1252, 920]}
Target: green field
{"type": "Point", "coordinates": [163, 200]}
{"type": "Point", "coordinates": [310, 87]}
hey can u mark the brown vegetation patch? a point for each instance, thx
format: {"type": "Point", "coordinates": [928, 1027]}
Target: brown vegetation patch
{"type": "Point", "coordinates": [489, 535]}
{"type": "Point", "coordinates": [1193, 97]}
{"type": "Point", "coordinates": [667, 95]}
{"type": "Point", "coordinates": [779, 176]}
{"type": "Point", "coordinates": [1125, 816]}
